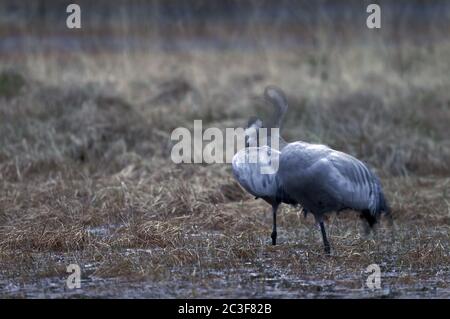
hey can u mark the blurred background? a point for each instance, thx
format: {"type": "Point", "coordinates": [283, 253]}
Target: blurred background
{"type": "Point", "coordinates": [228, 24]}
{"type": "Point", "coordinates": [85, 122]}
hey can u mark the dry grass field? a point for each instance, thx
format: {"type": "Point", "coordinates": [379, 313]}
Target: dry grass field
{"type": "Point", "coordinates": [86, 175]}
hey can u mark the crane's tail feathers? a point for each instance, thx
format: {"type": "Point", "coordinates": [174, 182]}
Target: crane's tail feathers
{"type": "Point", "coordinates": [370, 218]}
{"type": "Point", "coordinates": [386, 209]}
{"type": "Point", "coordinates": [384, 206]}
{"type": "Point", "coordinates": [372, 215]}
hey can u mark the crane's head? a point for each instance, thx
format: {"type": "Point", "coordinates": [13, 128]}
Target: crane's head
{"type": "Point", "coordinates": [252, 131]}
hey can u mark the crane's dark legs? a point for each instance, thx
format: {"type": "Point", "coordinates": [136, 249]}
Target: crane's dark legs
{"type": "Point", "coordinates": [305, 212]}
{"type": "Point", "coordinates": [324, 237]}
{"type": "Point", "coordinates": [274, 229]}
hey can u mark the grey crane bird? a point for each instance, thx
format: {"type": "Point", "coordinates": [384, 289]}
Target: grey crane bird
{"type": "Point", "coordinates": [320, 179]}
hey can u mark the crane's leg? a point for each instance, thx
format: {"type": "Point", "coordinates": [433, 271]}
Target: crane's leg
{"type": "Point", "coordinates": [274, 229]}
{"type": "Point", "coordinates": [324, 237]}
{"type": "Point", "coordinates": [305, 212]}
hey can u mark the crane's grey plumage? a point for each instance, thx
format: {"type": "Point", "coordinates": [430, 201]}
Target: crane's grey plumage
{"type": "Point", "coordinates": [249, 174]}
{"type": "Point", "coordinates": [265, 186]}
{"type": "Point", "coordinates": [320, 179]}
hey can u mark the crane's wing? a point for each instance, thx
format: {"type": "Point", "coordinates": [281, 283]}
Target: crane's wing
{"type": "Point", "coordinates": [323, 179]}
{"type": "Point", "coordinates": [359, 188]}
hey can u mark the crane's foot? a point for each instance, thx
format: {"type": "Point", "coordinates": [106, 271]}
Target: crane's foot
{"type": "Point", "coordinates": [274, 238]}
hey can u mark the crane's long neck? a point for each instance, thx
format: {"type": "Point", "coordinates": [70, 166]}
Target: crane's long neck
{"type": "Point", "coordinates": [278, 138]}
{"type": "Point", "coordinates": [278, 115]}
{"type": "Point", "coordinates": [278, 100]}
